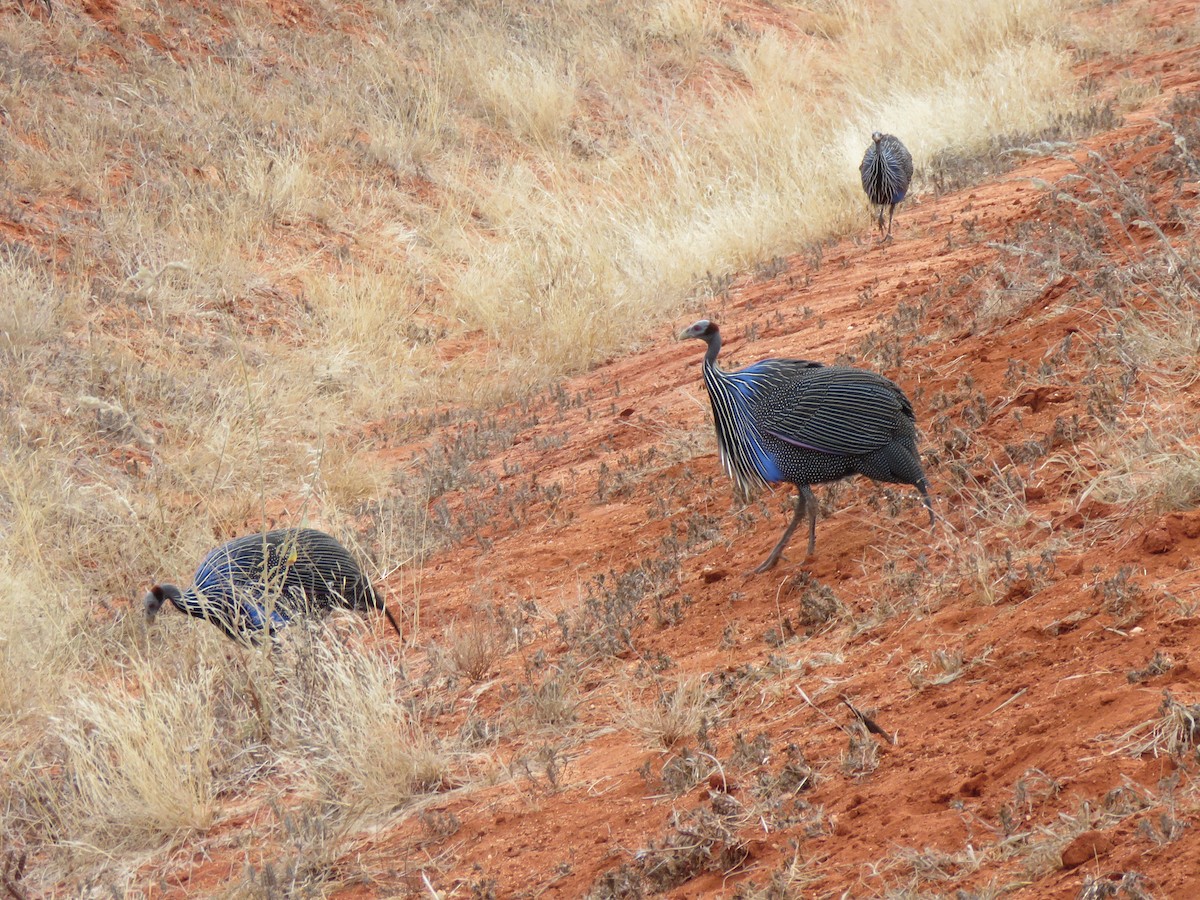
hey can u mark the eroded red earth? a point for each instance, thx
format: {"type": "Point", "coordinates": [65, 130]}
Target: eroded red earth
{"type": "Point", "coordinates": [986, 308]}
{"type": "Point", "coordinates": [999, 769]}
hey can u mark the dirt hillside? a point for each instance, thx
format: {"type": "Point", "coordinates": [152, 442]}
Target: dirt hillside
{"type": "Point", "coordinates": [1006, 653]}
{"type": "Point", "coordinates": [1003, 705]}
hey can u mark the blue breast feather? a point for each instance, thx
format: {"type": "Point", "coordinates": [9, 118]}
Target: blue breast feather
{"type": "Point", "coordinates": [255, 616]}
{"type": "Point", "coordinates": [234, 586]}
{"type": "Point", "coordinates": [747, 384]}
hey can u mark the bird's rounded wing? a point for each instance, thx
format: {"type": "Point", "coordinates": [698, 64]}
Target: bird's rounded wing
{"type": "Point", "coordinates": [865, 167]}
{"type": "Point", "coordinates": [905, 159]}
{"type": "Point", "coordinates": [325, 569]}
{"type": "Point", "coordinates": [836, 410]}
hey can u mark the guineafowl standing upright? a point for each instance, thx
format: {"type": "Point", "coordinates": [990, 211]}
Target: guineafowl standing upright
{"type": "Point", "coordinates": [261, 581]}
{"type": "Point", "coordinates": [886, 170]}
{"type": "Point", "coordinates": [791, 420]}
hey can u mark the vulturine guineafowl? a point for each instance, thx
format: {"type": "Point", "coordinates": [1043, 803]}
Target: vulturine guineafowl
{"type": "Point", "coordinates": [886, 171]}
{"type": "Point", "coordinates": [262, 581]}
{"type": "Point", "coordinates": [791, 420]}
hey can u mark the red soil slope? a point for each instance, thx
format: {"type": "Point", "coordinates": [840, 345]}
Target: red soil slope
{"type": "Point", "coordinates": [992, 775]}
{"type": "Point", "coordinates": [601, 527]}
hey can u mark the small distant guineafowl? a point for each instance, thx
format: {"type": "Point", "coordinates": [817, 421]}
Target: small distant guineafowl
{"type": "Point", "coordinates": [886, 171]}
{"type": "Point", "coordinates": [262, 581]}
{"type": "Point", "coordinates": [795, 421]}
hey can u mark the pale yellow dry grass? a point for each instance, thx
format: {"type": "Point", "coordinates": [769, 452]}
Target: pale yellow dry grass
{"type": "Point", "coordinates": [1153, 464]}
{"type": "Point", "coordinates": [224, 269]}
{"type": "Point", "coordinates": [136, 762]}
{"type": "Point", "coordinates": [670, 715]}
{"type": "Point", "coordinates": [35, 636]}
{"type": "Point", "coordinates": [139, 766]}
{"type": "Point", "coordinates": [349, 719]}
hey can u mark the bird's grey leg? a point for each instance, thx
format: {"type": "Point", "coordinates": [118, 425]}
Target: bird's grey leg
{"type": "Point", "coordinates": [924, 489]}
{"type": "Point", "coordinates": [810, 503]}
{"type": "Point", "coordinates": [891, 212]}
{"type": "Point", "coordinates": [805, 502]}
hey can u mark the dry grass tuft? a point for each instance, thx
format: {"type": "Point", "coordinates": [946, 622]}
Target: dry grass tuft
{"type": "Point", "coordinates": [673, 715]}
{"type": "Point", "coordinates": [470, 650]}
{"type": "Point", "coordinates": [1174, 732]}
{"type": "Point", "coordinates": [1155, 467]}
{"type": "Point", "coordinates": [140, 768]}
{"type": "Point", "coordinates": [348, 716]}
{"type": "Point", "coordinates": [35, 638]}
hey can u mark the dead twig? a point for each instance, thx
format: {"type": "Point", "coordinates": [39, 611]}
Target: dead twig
{"type": "Point", "coordinates": [867, 721]}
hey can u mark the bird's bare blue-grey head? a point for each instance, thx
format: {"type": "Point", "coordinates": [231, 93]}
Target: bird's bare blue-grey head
{"type": "Point", "coordinates": [155, 598]}
{"type": "Point", "coordinates": [703, 330]}
{"type": "Point", "coordinates": [876, 136]}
